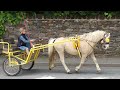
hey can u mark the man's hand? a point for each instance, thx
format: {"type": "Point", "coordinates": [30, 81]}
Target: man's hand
{"type": "Point", "coordinates": [32, 40]}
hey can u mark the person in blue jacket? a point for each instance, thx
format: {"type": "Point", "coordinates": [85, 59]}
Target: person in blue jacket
{"type": "Point", "coordinates": [24, 43]}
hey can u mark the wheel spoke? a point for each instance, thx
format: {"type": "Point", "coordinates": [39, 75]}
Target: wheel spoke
{"type": "Point", "coordinates": [12, 69]}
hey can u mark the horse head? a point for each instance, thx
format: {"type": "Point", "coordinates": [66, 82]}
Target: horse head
{"type": "Point", "coordinates": [105, 41]}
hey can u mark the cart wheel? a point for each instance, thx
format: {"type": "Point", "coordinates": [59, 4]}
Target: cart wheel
{"type": "Point", "coordinates": [12, 70]}
{"type": "Point", "coordinates": [28, 66]}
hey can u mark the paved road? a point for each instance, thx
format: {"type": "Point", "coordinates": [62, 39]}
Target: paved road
{"type": "Point", "coordinates": [40, 70]}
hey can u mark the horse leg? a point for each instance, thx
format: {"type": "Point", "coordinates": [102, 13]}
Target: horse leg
{"type": "Point", "coordinates": [50, 62]}
{"type": "Point", "coordinates": [96, 63]}
{"type": "Point", "coordinates": [61, 54]}
{"type": "Point", "coordinates": [53, 61]}
{"type": "Point", "coordinates": [81, 63]}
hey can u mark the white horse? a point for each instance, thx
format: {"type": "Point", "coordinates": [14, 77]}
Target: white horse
{"type": "Point", "coordinates": [87, 44]}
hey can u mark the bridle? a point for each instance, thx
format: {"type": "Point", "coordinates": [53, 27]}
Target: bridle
{"type": "Point", "coordinates": [106, 40]}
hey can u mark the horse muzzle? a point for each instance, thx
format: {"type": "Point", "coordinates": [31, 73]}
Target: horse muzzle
{"type": "Point", "coordinates": [105, 46]}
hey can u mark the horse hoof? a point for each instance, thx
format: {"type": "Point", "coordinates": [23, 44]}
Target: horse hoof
{"type": "Point", "coordinates": [76, 71]}
{"type": "Point", "coordinates": [69, 73]}
{"type": "Point", "coordinates": [99, 72]}
{"type": "Point", "coordinates": [50, 69]}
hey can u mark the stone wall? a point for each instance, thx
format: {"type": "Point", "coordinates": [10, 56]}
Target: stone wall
{"type": "Point", "coordinates": [50, 28]}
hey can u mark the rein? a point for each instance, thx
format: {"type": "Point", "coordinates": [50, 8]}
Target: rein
{"type": "Point", "coordinates": [91, 41]}
{"type": "Point", "coordinates": [90, 44]}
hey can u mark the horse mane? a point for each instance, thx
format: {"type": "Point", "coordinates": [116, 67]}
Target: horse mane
{"type": "Point", "coordinates": [93, 36]}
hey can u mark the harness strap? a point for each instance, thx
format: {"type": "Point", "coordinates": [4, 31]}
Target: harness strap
{"type": "Point", "coordinates": [77, 48]}
{"type": "Point", "coordinates": [79, 53]}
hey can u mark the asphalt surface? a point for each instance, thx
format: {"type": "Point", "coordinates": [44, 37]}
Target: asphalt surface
{"type": "Point", "coordinates": [110, 67]}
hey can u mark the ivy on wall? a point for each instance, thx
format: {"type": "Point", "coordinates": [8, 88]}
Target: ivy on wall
{"type": "Point", "coordinates": [10, 17]}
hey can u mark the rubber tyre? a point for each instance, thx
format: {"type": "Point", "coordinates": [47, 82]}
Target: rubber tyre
{"type": "Point", "coordinates": [30, 66]}
{"type": "Point", "coordinates": [5, 63]}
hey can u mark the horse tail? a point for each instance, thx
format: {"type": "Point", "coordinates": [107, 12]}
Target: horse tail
{"type": "Point", "coordinates": [51, 52]}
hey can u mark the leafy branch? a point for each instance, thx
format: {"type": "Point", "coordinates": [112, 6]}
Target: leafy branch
{"type": "Point", "coordinates": [10, 17]}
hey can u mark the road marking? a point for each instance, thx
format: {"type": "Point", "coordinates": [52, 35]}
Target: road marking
{"type": "Point", "coordinates": [94, 78]}
{"type": "Point", "coordinates": [46, 77]}
{"type": "Point", "coordinates": [99, 78]}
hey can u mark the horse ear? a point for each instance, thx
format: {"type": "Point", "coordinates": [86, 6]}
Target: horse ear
{"type": "Point", "coordinates": [105, 35]}
{"type": "Point", "coordinates": [108, 34]}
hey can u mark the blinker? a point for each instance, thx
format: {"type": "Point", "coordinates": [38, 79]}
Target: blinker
{"type": "Point", "coordinates": [107, 40]}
